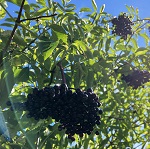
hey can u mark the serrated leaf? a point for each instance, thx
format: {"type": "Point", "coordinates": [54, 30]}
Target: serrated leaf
{"type": "Point", "coordinates": [22, 75]}
{"type": "Point", "coordinates": [50, 49]}
{"type": "Point", "coordinates": [141, 51]}
{"type": "Point", "coordinates": [44, 43]}
{"type": "Point", "coordinates": [85, 9]}
{"type": "Point", "coordinates": [80, 44]}
{"type": "Point", "coordinates": [94, 5]}
{"type": "Point", "coordinates": [62, 36]}
{"type": "Point", "coordinates": [59, 32]}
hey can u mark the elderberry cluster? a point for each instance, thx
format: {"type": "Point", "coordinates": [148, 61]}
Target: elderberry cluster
{"type": "Point", "coordinates": [77, 112]}
{"type": "Point", "coordinates": [136, 78]}
{"type": "Point", "coordinates": [122, 26]}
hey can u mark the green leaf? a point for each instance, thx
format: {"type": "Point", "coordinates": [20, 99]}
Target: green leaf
{"type": "Point", "coordinates": [6, 24]}
{"type": "Point", "coordinates": [80, 44]}
{"type": "Point", "coordinates": [130, 9]}
{"type": "Point", "coordinates": [17, 2]}
{"type": "Point", "coordinates": [43, 3]}
{"type": "Point", "coordinates": [141, 51]}
{"type": "Point", "coordinates": [60, 33]}
{"type": "Point", "coordinates": [107, 46]}
{"type": "Point", "coordinates": [94, 5]}
{"type": "Point", "coordinates": [145, 36]}
{"type": "Point", "coordinates": [146, 19]}
{"type": "Point", "coordinates": [9, 78]}
{"type": "Point", "coordinates": [18, 98]}
{"type": "Point", "coordinates": [21, 75]}
{"type": "Point", "coordinates": [78, 75]}
{"type": "Point", "coordinates": [44, 43]}
{"type": "Point", "coordinates": [19, 40]}
{"type": "Point", "coordinates": [2, 11]}
{"type": "Point", "coordinates": [102, 8]}
{"type": "Point", "coordinates": [85, 9]}
{"type": "Point", "coordinates": [70, 7]}
{"type": "Point", "coordinates": [88, 54]}
{"type": "Point", "coordinates": [90, 79]}
{"type": "Point", "coordinates": [40, 12]}
{"type": "Point", "coordinates": [48, 52]}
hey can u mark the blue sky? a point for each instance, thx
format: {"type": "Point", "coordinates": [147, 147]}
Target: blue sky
{"type": "Point", "coordinates": [114, 7]}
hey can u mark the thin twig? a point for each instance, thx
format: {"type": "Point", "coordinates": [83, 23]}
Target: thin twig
{"type": "Point", "coordinates": [15, 27]}
{"type": "Point", "coordinates": [35, 18]}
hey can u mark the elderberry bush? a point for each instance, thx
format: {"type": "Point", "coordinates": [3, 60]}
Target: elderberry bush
{"type": "Point", "coordinates": [136, 78]}
{"type": "Point", "coordinates": [122, 26]}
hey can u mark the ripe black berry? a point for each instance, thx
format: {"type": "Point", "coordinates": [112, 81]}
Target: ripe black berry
{"type": "Point", "coordinates": [8, 103]}
{"type": "Point", "coordinates": [122, 26]}
{"type": "Point", "coordinates": [136, 78]}
{"type": "Point", "coordinates": [100, 111]}
{"type": "Point", "coordinates": [97, 133]}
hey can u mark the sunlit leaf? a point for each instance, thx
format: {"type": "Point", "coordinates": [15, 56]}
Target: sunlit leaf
{"type": "Point", "coordinates": [141, 51]}
{"type": "Point", "coordinates": [50, 49]}
{"type": "Point", "coordinates": [94, 5]}
{"type": "Point", "coordinates": [2, 11]}
{"type": "Point", "coordinates": [102, 8]}
{"type": "Point", "coordinates": [85, 9]}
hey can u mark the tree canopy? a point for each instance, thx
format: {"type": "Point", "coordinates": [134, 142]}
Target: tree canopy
{"type": "Point", "coordinates": [68, 81]}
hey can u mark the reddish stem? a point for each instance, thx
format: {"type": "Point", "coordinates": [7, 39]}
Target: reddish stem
{"type": "Point", "coordinates": [62, 73]}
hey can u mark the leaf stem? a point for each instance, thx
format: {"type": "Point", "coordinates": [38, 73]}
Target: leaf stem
{"type": "Point", "coordinates": [62, 73]}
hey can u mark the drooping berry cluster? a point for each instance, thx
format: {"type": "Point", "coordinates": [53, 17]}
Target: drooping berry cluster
{"type": "Point", "coordinates": [77, 112]}
{"type": "Point", "coordinates": [136, 78]}
{"type": "Point", "coordinates": [122, 26]}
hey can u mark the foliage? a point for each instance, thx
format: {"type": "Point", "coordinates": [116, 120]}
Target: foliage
{"type": "Point", "coordinates": [46, 33]}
